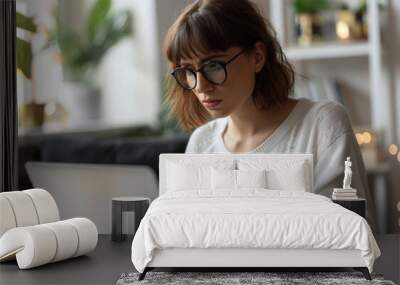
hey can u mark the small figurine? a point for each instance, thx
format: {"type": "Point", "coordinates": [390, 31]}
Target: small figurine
{"type": "Point", "coordinates": [347, 174]}
{"type": "Point", "coordinates": [347, 192]}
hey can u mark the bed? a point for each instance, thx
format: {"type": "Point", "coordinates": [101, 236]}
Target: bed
{"type": "Point", "coordinates": [247, 211]}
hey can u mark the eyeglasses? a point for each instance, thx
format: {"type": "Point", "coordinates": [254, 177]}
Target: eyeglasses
{"type": "Point", "coordinates": [214, 71]}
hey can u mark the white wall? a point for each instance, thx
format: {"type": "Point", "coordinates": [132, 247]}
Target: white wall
{"type": "Point", "coordinates": [129, 75]}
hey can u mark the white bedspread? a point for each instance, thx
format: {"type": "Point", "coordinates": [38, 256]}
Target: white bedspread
{"type": "Point", "coordinates": [250, 218]}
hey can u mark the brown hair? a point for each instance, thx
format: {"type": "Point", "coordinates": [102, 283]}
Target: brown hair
{"type": "Point", "coordinates": [216, 25]}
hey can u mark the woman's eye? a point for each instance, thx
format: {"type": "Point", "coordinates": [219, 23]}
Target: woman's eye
{"type": "Point", "coordinates": [212, 66]}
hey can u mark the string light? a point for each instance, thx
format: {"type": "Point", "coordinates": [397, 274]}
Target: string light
{"type": "Point", "coordinates": [364, 138]}
{"type": "Point", "coordinates": [393, 149]}
{"type": "Point", "coordinates": [367, 137]}
{"type": "Point", "coordinates": [359, 138]}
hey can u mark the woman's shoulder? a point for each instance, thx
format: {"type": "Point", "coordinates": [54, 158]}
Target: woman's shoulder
{"type": "Point", "coordinates": [203, 136]}
{"type": "Point", "coordinates": [211, 128]}
{"type": "Point", "coordinates": [327, 113]}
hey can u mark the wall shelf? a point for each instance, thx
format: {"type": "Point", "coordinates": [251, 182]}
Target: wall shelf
{"type": "Point", "coordinates": [327, 50]}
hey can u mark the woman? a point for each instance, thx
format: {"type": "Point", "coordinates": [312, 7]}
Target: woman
{"type": "Point", "coordinates": [228, 66]}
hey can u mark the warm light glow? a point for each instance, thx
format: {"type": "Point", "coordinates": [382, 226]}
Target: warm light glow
{"type": "Point", "coordinates": [343, 30]}
{"type": "Point", "coordinates": [393, 149]}
{"type": "Point", "coordinates": [360, 138]}
{"type": "Point", "coordinates": [398, 157]}
{"type": "Point", "coordinates": [367, 138]}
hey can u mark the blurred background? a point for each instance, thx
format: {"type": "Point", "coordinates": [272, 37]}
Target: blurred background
{"type": "Point", "coordinates": [91, 80]}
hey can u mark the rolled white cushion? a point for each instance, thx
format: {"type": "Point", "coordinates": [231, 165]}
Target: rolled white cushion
{"type": "Point", "coordinates": [67, 239]}
{"type": "Point", "coordinates": [45, 205]}
{"type": "Point", "coordinates": [37, 245]}
{"type": "Point", "coordinates": [87, 234]}
{"type": "Point", "coordinates": [7, 218]}
{"type": "Point", "coordinates": [33, 246]}
{"type": "Point", "coordinates": [23, 208]}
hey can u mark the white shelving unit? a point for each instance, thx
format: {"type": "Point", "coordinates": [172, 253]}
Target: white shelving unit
{"type": "Point", "coordinates": [381, 117]}
{"type": "Point", "coordinates": [328, 50]}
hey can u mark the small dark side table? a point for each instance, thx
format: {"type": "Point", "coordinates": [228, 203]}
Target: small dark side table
{"type": "Point", "coordinates": [356, 205]}
{"type": "Point", "coordinates": [139, 205]}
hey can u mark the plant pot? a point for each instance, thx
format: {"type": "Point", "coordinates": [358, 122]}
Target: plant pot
{"type": "Point", "coordinates": [32, 115]}
{"type": "Point", "coordinates": [308, 28]}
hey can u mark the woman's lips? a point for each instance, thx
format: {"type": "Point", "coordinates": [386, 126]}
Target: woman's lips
{"type": "Point", "coordinates": [212, 104]}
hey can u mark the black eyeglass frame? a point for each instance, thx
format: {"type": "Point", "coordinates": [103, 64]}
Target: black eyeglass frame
{"type": "Point", "coordinates": [194, 72]}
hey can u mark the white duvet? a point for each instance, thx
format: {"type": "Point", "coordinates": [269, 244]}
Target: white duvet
{"type": "Point", "coordinates": [253, 218]}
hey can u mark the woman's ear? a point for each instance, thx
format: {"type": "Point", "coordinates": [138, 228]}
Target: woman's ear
{"type": "Point", "coordinates": [260, 54]}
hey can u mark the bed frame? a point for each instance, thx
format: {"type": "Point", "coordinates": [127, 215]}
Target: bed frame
{"type": "Point", "coordinates": [248, 259]}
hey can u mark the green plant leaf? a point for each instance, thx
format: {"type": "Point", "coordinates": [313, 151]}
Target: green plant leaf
{"type": "Point", "coordinates": [25, 22]}
{"type": "Point", "coordinates": [24, 57]}
{"type": "Point", "coordinates": [309, 6]}
{"type": "Point", "coordinates": [97, 15]}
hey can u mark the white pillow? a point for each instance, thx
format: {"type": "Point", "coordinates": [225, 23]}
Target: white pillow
{"type": "Point", "coordinates": [223, 179]}
{"type": "Point", "coordinates": [282, 174]}
{"type": "Point", "coordinates": [294, 179]}
{"type": "Point", "coordinates": [183, 178]}
{"type": "Point", "coordinates": [251, 178]}
{"type": "Point", "coordinates": [236, 179]}
{"type": "Point", "coordinates": [193, 175]}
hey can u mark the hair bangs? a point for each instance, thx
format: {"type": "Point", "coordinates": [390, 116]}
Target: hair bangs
{"type": "Point", "coordinates": [200, 34]}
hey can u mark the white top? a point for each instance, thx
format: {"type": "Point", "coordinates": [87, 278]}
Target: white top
{"type": "Point", "coordinates": [321, 128]}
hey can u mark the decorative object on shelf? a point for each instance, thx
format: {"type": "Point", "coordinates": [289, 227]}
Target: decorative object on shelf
{"type": "Point", "coordinates": [31, 114]}
{"type": "Point", "coordinates": [347, 26]}
{"type": "Point", "coordinates": [55, 114]}
{"type": "Point", "coordinates": [362, 18]}
{"type": "Point", "coordinates": [82, 51]}
{"type": "Point", "coordinates": [308, 24]}
{"type": "Point", "coordinates": [347, 174]}
{"type": "Point", "coordinates": [346, 192]}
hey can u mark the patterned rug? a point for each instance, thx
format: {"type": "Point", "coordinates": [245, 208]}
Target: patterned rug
{"type": "Point", "coordinates": [242, 278]}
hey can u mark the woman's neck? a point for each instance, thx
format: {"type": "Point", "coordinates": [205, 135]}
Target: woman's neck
{"type": "Point", "coordinates": [249, 121]}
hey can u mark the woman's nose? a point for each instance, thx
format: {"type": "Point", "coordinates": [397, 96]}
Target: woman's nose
{"type": "Point", "coordinates": [202, 83]}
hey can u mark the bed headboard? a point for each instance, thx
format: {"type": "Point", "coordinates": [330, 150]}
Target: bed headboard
{"type": "Point", "coordinates": [273, 160]}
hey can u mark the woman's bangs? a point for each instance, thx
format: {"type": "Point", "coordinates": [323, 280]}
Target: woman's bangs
{"type": "Point", "coordinates": [195, 37]}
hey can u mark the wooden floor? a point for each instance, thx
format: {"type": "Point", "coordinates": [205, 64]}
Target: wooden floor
{"type": "Point", "coordinates": [110, 260]}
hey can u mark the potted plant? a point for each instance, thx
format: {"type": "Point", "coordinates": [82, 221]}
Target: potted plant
{"type": "Point", "coordinates": [82, 51]}
{"type": "Point", "coordinates": [308, 24]}
{"type": "Point", "coordinates": [31, 114]}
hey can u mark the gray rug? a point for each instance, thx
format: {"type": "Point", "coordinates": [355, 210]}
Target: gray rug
{"type": "Point", "coordinates": [229, 278]}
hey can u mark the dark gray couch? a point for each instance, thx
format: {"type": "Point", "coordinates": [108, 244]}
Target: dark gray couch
{"type": "Point", "coordinates": [125, 150]}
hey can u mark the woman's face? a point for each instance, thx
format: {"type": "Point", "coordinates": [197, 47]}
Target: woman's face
{"type": "Point", "coordinates": [236, 90]}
